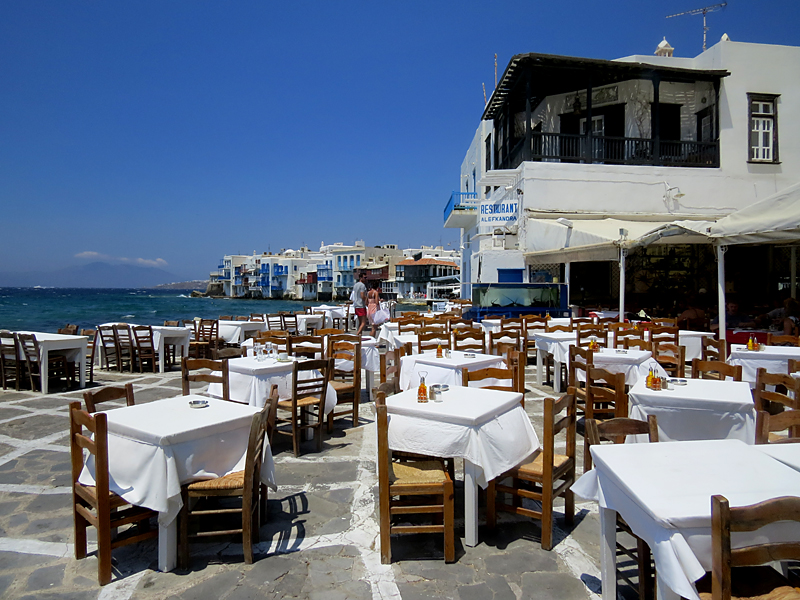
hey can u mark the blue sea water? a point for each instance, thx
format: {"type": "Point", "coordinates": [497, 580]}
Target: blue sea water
{"type": "Point", "coordinates": [48, 309]}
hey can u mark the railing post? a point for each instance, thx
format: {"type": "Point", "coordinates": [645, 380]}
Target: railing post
{"type": "Point", "coordinates": [655, 126]}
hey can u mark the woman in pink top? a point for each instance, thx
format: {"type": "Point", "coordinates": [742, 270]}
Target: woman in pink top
{"type": "Point", "coordinates": [373, 304]}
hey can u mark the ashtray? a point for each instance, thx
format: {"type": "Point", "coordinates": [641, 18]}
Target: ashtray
{"type": "Point", "coordinates": [198, 403]}
{"type": "Point", "coordinates": [621, 351]}
{"type": "Point", "coordinates": [677, 381]}
{"type": "Point", "coordinates": [469, 355]}
{"type": "Point", "coordinates": [284, 359]}
{"type": "Point", "coordinates": [440, 387]}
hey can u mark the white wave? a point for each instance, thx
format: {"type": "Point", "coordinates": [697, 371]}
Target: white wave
{"type": "Point", "coordinates": [128, 316]}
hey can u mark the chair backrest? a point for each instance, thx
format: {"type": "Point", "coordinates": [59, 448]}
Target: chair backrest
{"type": "Point", "coordinates": [390, 367]}
{"type": "Point", "coordinates": [762, 396]}
{"type": "Point", "coordinates": [586, 333]}
{"type": "Point", "coordinates": [517, 323]}
{"type": "Point", "coordinates": [257, 317]}
{"type": "Point", "coordinates": [346, 355]}
{"type": "Point", "coordinates": [107, 394]}
{"type": "Point", "coordinates": [715, 369]}
{"type": "Point", "coordinates": [552, 328]}
{"type": "Point", "coordinates": [617, 430]}
{"type": "Point", "coordinates": [143, 336]}
{"type": "Point", "coordinates": [329, 331]}
{"type": "Point", "coordinates": [535, 324]}
{"type": "Point", "coordinates": [69, 330]}
{"type": "Point", "coordinates": [308, 346]}
{"type": "Point", "coordinates": [626, 333]}
{"type": "Point", "coordinates": [28, 348]}
{"type": "Point", "coordinates": [517, 361]}
{"type": "Point", "coordinates": [559, 416]}
{"type": "Point", "coordinates": [774, 339]}
{"type": "Point", "coordinates": [438, 328]}
{"type": "Point", "coordinates": [408, 325]}
{"type": "Point", "coordinates": [188, 365]}
{"type": "Point", "coordinates": [671, 357]}
{"type": "Point", "coordinates": [106, 334]}
{"type": "Point", "coordinates": [242, 318]}
{"type": "Point", "coordinates": [659, 333]}
{"type": "Point", "coordinates": [469, 340]}
{"type": "Point", "coordinates": [605, 394]}
{"type": "Point", "coordinates": [665, 321]}
{"type": "Point", "coordinates": [507, 336]}
{"type": "Point", "coordinates": [580, 359]}
{"type": "Point", "coordinates": [192, 325]}
{"type": "Point", "coordinates": [8, 346]}
{"type": "Point", "coordinates": [575, 321]}
{"type": "Point", "coordinates": [461, 324]}
{"type": "Point", "coordinates": [497, 376]}
{"type": "Point", "coordinates": [289, 321]}
{"type": "Point", "coordinates": [96, 444]}
{"type": "Point", "coordinates": [226, 317]}
{"type": "Point", "coordinates": [712, 349]}
{"type": "Point", "coordinates": [122, 336]}
{"type": "Point", "coordinates": [638, 344]}
{"type": "Point", "coordinates": [310, 378]}
{"type": "Point", "coordinates": [274, 321]}
{"type": "Point", "coordinates": [726, 520]}
{"type": "Point", "coordinates": [382, 423]}
{"type": "Point", "coordinates": [788, 420]}
{"type": "Point", "coordinates": [607, 321]}
{"type": "Point", "coordinates": [207, 330]}
{"type": "Point", "coordinates": [431, 341]}
{"type": "Point", "coordinates": [171, 324]}
{"type": "Point", "coordinates": [279, 342]}
{"type": "Point", "coordinates": [261, 428]}
{"type": "Point", "coordinates": [794, 366]}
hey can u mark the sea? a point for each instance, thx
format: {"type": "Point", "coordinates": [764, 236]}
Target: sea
{"type": "Point", "coordinates": [49, 309]}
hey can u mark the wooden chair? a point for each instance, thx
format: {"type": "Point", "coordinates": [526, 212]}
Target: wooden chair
{"type": "Point", "coordinates": [226, 317]}
{"type": "Point", "coordinates": [469, 340]}
{"type": "Point", "coordinates": [638, 344]}
{"type": "Point", "coordinates": [274, 322]}
{"type": "Point", "coordinates": [96, 505]}
{"type": "Point", "coordinates": [543, 478]}
{"type": "Point", "coordinates": [145, 348]}
{"type": "Point", "coordinates": [431, 341]}
{"type": "Point", "coordinates": [108, 353]}
{"type": "Point", "coordinates": [774, 339]}
{"type": "Point", "coordinates": [279, 342]}
{"type": "Point", "coordinates": [125, 346]}
{"type": "Point", "coordinates": [306, 407]}
{"type": "Point", "coordinates": [665, 321]}
{"type": "Point", "coordinates": [794, 366]}
{"type": "Point", "coordinates": [533, 324]}
{"type": "Point", "coordinates": [659, 334]}
{"type": "Point", "coordinates": [289, 321]}
{"type": "Point", "coordinates": [507, 375]}
{"type": "Point", "coordinates": [57, 365]}
{"type": "Point", "coordinates": [727, 580]}
{"type": "Point", "coordinates": [245, 484]}
{"type": "Point", "coordinates": [616, 431]}
{"type": "Point", "coordinates": [606, 321]}
{"type": "Point", "coordinates": [504, 336]}
{"type": "Point", "coordinates": [107, 394]}
{"type": "Point", "coordinates": [575, 321]}
{"type": "Point", "coordinates": [711, 349]}
{"type": "Point", "coordinates": [257, 317]}
{"type": "Point", "coordinates": [605, 399]}
{"type": "Point", "coordinates": [627, 333]}
{"type": "Point", "coordinates": [671, 357]}
{"type": "Point", "coordinates": [242, 318]}
{"type": "Point", "coordinates": [189, 365]}
{"type": "Point", "coordinates": [517, 361]}
{"type": "Point", "coordinates": [767, 425]}
{"type": "Point", "coordinates": [408, 325]}
{"type": "Point", "coordinates": [345, 350]}
{"type": "Point", "coordinates": [404, 488]}
{"type": "Point", "coordinates": [390, 368]}
{"type": "Point", "coordinates": [580, 360]}
{"type": "Point", "coordinates": [775, 401]}
{"type": "Point", "coordinates": [10, 361]}
{"type": "Point", "coordinates": [306, 346]}
{"type": "Point", "coordinates": [714, 369]}
{"type": "Point", "coordinates": [553, 328]}
{"type": "Point", "coordinates": [462, 324]}
{"type": "Point", "coordinates": [227, 353]}
{"type": "Point", "coordinates": [518, 324]}
{"type": "Point", "coordinates": [586, 333]}
{"type": "Point", "coordinates": [206, 340]}
{"type": "Point", "coordinates": [329, 331]}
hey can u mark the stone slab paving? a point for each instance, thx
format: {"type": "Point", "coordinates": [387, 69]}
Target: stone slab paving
{"type": "Point", "coordinates": [319, 541]}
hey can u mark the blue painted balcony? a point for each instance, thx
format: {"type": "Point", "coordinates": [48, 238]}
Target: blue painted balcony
{"type": "Point", "coordinates": [221, 266]}
{"type": "Point", "coordinates": [264, 281]}
{"type": "Point", "coordinates": [462, 210]}
{"type": "Point", "coordinates": [279, 270]}
{"type": "Point", "coordinates": [265, 269]}
{"type": "Point", "coordinates": [238, 281]}
{"type": "Point", "coordinates": [324, 273]}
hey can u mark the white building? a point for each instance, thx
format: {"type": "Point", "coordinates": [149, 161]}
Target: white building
{"type": "Point", "coordinates": [572, 152]}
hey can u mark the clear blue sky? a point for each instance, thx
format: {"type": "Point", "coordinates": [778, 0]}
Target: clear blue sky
{"type": "Point", "coordinates": [173, 132]}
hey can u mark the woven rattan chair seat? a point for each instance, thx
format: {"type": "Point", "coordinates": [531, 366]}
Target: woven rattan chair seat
{"type": "Point", "coordinates": [231, 481]}
{"type": "Point", "coordinates": [417, 472]}
{"type": "Point", "coordinates": [306, 401]}
{"type": "Point", "coordinates": [342, 386]}
{"type": "Point", "coordinates": [535, 468]}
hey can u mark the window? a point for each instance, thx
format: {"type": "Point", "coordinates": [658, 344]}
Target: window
{"type": "Point", "coordinates": [763, 127]}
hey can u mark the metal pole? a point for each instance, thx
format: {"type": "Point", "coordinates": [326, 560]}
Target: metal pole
{"type": "Point", "coordinates": [721, 289]}
{"type": "Point", "coordinates": [793, 275]}
{"type": "Point", "coordinates": [566, 279]}
{"type": "Point", "coordinates": [622, 254]}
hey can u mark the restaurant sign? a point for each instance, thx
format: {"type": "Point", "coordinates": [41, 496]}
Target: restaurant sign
{"type": "Point", "coordinates": [498, 214]}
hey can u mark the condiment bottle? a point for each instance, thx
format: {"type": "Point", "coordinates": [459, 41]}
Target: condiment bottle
{"type": "Point", "coordinates": [750, 343]}
{"type": "Point", "coordinates": [439, 351]}
{"type": "Point", "coordinates": [657, 383]}
{"type": "Point", "coordinates": [422, 390]}
{"type": "Point", "coordinates": [649, 381]}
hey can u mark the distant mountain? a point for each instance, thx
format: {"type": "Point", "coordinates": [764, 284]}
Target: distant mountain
{"type": "Point", "coordinates": [93, 275]}
{"type": "Point", "coordinates": [194, 284]}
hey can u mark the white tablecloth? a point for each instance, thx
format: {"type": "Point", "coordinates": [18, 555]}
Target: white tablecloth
{"type": "Point", "coordinates": [303, 321]}
{"type": "Point", "coordinates": [251, 380]}
{"type": "Point", "coordinates": [663, 491]}
{"type": "Point", "coordinates": [443, 370]}
{"type": "Point", "coordinates": [788, 454]}
{"type": "Point", "coordinates": [775, 359]}
{"type": "Point", "coordinates": [72, 346]}
{"type": "Point", "coordinates": [153, 448]}
{"type": "Point", "coordinates": [370, 357]}
{"type": "Point", "coordinates": [703, 409]}
{"type": "Point", "coordinates": [331, 312]}
{"type": "Point", "coordinates": [233, 332]}
{"type": "Point", "coordinates": [487, 428]}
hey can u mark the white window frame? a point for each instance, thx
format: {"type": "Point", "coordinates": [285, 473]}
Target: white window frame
{"type": "Point", "coordinates": [762, 128]}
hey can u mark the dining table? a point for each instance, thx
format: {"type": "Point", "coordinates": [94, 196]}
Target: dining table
{"type": "Point", "coordinates": [488, 429]}
{"type": "Point", "coordinates": [775, 359]}
{"type": "Point", "coordinates": [664, 490]}
{"type": "Point", "coordinates": [163, 336]}
{"type": "Point", "coordinates": [156, 447]}
{"type": "Point", "coordinates": [251, 380]}
{"type": "Point", "coordinates": [444, 370]}
{"type": "Point", "coordinates": [696, 409]}
{"type": "Point", "coordinates": [235, 332]}
{"type": "Point", "coordinates": [73, 347]}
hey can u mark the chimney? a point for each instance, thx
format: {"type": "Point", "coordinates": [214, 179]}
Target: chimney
{"type": "Point", "coordinates": [664, 49]}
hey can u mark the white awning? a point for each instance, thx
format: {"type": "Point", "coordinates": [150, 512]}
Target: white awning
{"type": "Point", "coordinates": [774, 219]}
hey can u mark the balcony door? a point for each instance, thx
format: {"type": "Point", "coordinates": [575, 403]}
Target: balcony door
{"type": "Point", "coordinates": [598, 133]}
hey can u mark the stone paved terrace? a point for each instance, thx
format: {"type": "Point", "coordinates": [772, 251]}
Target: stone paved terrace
{"type": "Point", "coordinates": [320, 539]}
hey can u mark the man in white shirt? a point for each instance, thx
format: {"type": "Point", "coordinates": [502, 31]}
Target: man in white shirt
{"type": "Point", "coordinates": [360, 302]}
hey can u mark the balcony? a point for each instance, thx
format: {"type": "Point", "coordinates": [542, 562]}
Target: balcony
{"type": "Point", "coordinates": [238, 281]}
{"type": "Point", "coordinates": [279, 270]}
{"type": "Point", "coordinates": [264, 281]}
{"type": "Point", "coordinates": [573, 148]}
{"type": "Point", "coordinates": [462, 210]}
{"type": "Point", "coordinates": [221, 267]}
{"type": "Point", "coordinates": [324, 273]}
